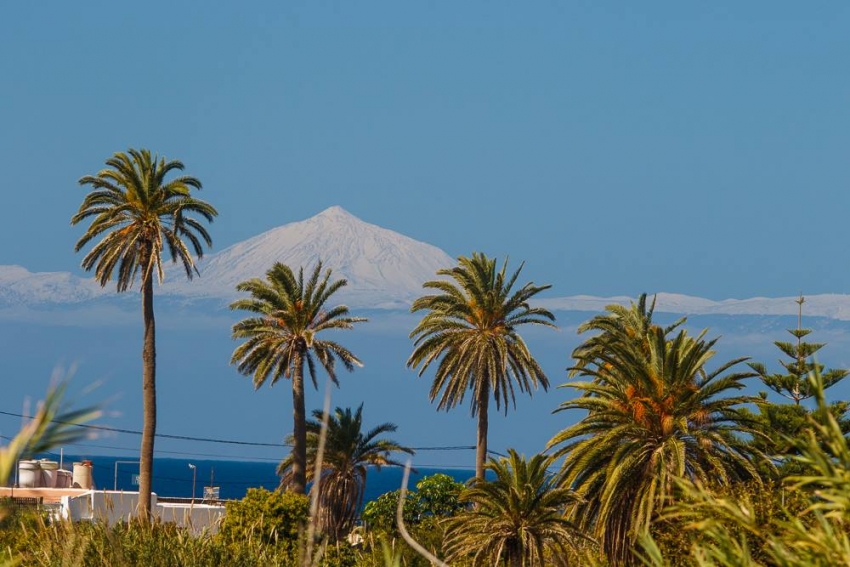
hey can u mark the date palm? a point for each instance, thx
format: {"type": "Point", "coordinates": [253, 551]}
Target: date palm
{"type": "Point", "coordinates": [348, 454]}
{"type": "Point", "coordinates": [471, 326]}
{"type": "Point", "coordinates": [632, 323]}
{"type": "Point", "coordinates": [139, 216]}
{"type": "Point", "coordinates": [282, 335]}
{"type": "Point", "coordinates": [519, 516]}
{"type": "Point", "coordinates": [654, 414]}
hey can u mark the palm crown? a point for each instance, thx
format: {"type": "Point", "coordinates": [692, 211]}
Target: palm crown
{"type": "Point", "coordinates": [290, 313]}
{"type": "Point", "coordinates": [472, 324]}
{"type": "Point", "coordinates": [140, 215]}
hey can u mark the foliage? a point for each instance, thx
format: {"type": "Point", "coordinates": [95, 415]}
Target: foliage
{"type": "Point", "coordinates": [782, 424]}
{"type": "Point", "coordinates": [281, 335]}
{"type": "Point", "coordinates": [436, 498]}
{"type": "Point", "coordinates": [793, 384]}
{"type": "Point", "coordinates": [654, 414]}
{"type": "Point", "coordinates": [53, 425]}
{"type": "Point", "coordinates": [141, 215]}
{"type": "Point", "coordinates": [518, 516]}
{"type": "Point", "coordinates": [731, 534]}
{"type": "Point", "coordinates": [272, 518]}
{"type": "Point", "coordinates": [767, 502]}
{"type": "Point", "coordinates": [93, 544]}
{"type": "Point", "coordinates": [471, 325]}
{"type": "Point", "coordinates": [348, 452]}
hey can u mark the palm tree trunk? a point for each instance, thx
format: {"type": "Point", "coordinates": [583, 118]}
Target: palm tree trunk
{"type": "Point", "coordinates": [481, 453]}
{"type": "Point", "coordinates": [148, 400]}
{"type": "Point", "coordinates": [299, 429]}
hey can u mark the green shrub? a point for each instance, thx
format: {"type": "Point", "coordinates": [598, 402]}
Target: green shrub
{"type": "Point", "coordinates": [436, 496]}
{"type": "Point", "coordinates": [272, 518]}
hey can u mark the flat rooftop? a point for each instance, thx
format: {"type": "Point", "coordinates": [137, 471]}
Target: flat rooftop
{"type": "Point", "coordinates": [48, 495]}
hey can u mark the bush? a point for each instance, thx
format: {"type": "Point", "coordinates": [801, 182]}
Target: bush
{"type": "Point", "coordinates": [436, 496]}
{"type": "Point", "coordinates": [273, 518]}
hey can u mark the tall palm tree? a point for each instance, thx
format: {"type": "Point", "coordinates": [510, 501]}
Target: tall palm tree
{"type": "Point", "coordinates": [654, 413]}
{"type": "Point", "coordinates": [288, 314]}
{"type": "Point", "coordinates": [348, 454]}
{"type": "Point", "coordinates": [518, 517]}
{"type": "Point", "coordinates": [471, 325]}
{"type": "Point", "coordinates": [140, 215]}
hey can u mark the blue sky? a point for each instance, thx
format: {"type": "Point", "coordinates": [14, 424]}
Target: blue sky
{"type": "Point", "coordinates": [699, 148]}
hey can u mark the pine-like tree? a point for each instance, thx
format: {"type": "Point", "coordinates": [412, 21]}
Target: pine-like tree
{"type": "Point", "coordinates": [781, 423]}
{"type": "Point", "coordinates": [794, 384]}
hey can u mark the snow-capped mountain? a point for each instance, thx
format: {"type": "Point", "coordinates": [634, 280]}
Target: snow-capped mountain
{"type": "Point", "coordinates": [20, 286]}
{"type": "Point", "coordinates": [383, 268]}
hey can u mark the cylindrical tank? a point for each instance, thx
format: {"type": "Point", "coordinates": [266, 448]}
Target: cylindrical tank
{"type": "Point", "coordinates": [48, 473]}
{"type": "Point", "coordinates": [63, 478]}
{"type": "Point", "coordinates": [82, 475]}
{"type": "Point", "coordinates": [29, 474]}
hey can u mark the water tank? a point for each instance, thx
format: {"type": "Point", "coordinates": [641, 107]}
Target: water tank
{"type": "Point", "coordinates": [64, 478]}
{"type": "Point", "coordinates": [82, 475]}
{"type": "Point", "coordinates": [48, 473]}
{"type": "Point", "coordinates": [29, 474]}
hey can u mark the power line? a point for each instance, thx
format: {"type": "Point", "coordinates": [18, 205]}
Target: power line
{"type": "Point", "coordinates": [220, 441]}
{"type": "Point", "coordinates": [160, 435]}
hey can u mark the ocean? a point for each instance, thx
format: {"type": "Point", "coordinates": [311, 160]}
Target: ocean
{"type": "Point", "coordinates": [174, 477]}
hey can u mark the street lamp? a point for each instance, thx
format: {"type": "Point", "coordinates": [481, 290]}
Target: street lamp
{"type": "Point", "coordinates": [194, 479]}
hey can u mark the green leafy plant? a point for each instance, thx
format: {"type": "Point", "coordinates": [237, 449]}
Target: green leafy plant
{"type": "Point", "coordinates": [729, 532]}
{"type": "Point", "coordinates": [519, 516]}
{"type": "Point", "coordinates": [273, 518]}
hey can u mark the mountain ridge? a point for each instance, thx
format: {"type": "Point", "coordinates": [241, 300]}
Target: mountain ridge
{"type": "Point", "coordinates": [385, 270]}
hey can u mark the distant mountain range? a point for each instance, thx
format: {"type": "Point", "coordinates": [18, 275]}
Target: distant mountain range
{"type": "Point", "coordinates": [385, 270]}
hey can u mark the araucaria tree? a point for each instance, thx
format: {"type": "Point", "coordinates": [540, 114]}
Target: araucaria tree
{"type": "Point", "coordinates": [348, 453]}
{"type": "Point", "coordinates": [139, 215]}
{"type": "Point", "coordinates": [282, 335]}
{"type": "Point", "coordinates": [784, 424]}
{"type": "Point", "coordinates": [794, 383]}
{"type": "Point", "coordinates": [654, 413]}
{"type": "Point", "coordinates": [471, 326]}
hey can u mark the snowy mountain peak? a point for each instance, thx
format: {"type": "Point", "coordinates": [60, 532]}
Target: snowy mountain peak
{"type": "Point", "coordinates": [336, 213]}
{"type": "Point", "coordinates": [383, 267]}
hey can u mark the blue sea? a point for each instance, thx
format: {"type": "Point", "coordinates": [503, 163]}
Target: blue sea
{"type": "Point", "coordinates": [174, 477]}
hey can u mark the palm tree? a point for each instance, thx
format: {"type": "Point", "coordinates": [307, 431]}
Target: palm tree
{"type": "Point", "coordinates": [654, 414]}
{"type": "Point", "coordinates": [140, 215]}
{"type": "Point", "coordinates": [347, 455]}
{"type": "Point", "coordinates": [471, 326]}
{"type": "Point", "coordinates": [620, 323]}
{"type": "Point", "coordinates": [519, 516]}
{"type": "Point", "coordinates": [282, 334]}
